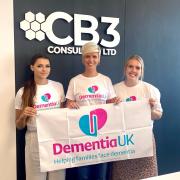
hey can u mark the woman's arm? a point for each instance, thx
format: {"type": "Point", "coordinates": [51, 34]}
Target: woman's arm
{"type": "Point", "coordinates": [72, 104]}
{"type": "Point", "coordinates": [155, 114]}
{"type": "Point", "coordinates": [63, 105]}
{"type": "Point", "coordinates": [23, 115]}
{"type": "Point", "coordinates": [20, 119]}
{"type": "Point", "coordinates": [115, 100]}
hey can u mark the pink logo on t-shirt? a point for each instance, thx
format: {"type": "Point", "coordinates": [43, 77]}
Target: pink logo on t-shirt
{"type": "Point", "coordinates": [131, 98]}
{"type": "Point", "coordinates": [93, 89]}
{"type": "Point", "coordinates": [46, 97]}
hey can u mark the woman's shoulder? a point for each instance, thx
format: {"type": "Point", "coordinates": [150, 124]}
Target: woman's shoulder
{"type": "Point", "coordinates": [102, 76]}
{"type": "Point", "coordinates": [19, 93]}
{"type": "Point", "coordinates": [79, 76]}
{"type": "Point", "coordinates": [20, 90]}
{"type": "Point", "coordinates": [54, 83]}
{"type": "Point", "coordinates": [78, 79]}
{"type": "Point", "coordinates": [150, 87]}
{"type": "Point", "coordinates": [119, 84]}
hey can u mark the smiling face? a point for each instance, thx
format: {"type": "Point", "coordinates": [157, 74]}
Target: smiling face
{"type": "Point", "coordinates": [133, 70]}
{"type": "Point", "coordinates": [41, 68]}
{"type": "Point", "coordinates": [91, 60]}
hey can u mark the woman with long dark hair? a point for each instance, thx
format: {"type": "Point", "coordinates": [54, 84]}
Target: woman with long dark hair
{"type": "Point", "coordinates": [37, 94]}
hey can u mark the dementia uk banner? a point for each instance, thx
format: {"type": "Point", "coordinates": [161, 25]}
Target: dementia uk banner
{"type": "Point", "coordinates": [94, 134]}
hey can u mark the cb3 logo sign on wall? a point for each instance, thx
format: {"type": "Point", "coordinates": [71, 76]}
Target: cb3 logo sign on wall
{"type": "Point", "coordinates": [36, 26]}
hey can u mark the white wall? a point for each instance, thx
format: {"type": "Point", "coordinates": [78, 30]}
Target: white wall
{"type": "Point", "coordinates": [7, 90]}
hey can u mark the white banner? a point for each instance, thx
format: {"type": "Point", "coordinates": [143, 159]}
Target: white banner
{"type": "Point", "coordinates": [94, 134]}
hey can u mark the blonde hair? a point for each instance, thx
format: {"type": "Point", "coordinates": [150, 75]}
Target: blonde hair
{"type": "Point", "coordinates": [140, 60]}
{"type": "Point", "coordinates": [90, 47]}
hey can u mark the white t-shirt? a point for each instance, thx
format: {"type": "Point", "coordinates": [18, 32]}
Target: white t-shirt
{"type": "Point", "coordinates": [141, 91]}
{"type": "Point", "coordinates": [48, 96]}
{"type": "Point", "coordinates": [90, 90]}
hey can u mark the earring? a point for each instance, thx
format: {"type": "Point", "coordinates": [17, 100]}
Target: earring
{"type": "Point", "coordinates": [32, 69]}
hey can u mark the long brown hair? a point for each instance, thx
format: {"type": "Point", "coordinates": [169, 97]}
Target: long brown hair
{"type": "Point", "coordinates": [30, 85]}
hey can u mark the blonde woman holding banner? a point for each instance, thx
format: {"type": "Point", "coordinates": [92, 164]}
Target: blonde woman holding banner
{"type": "Point", "coordinates": [90, 88]}
{"type": "Point", "coordinates": [37, 94]}
{"type": "Point", "coordinates": [132, 89]}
